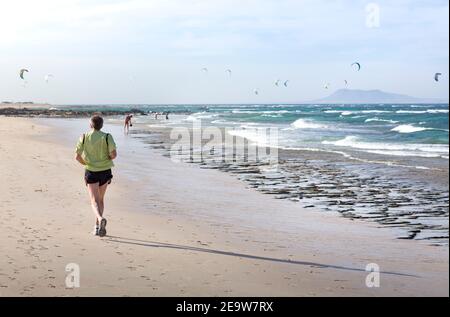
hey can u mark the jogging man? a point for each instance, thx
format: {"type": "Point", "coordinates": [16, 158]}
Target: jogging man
{"type": "Point", "coordinates": [96, 151]}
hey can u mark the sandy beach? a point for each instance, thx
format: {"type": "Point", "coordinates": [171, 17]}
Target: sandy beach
{"type": "Point", "coordinates": [177, 230]}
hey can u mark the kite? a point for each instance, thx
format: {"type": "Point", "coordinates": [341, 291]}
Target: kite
{"type": "Point", "coordinates": [436, 76]}
{"type": "Point", "coordinates": [47, 77]}
{"type": "Point", "coordinates": [22, 72]}
{"type": "Point", "coordinates": [357, 65]}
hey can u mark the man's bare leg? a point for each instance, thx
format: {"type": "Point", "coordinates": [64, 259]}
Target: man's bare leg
{"type": "Point", "coordinates": [102, 192]}
{"type": "Point", "coordinates": [94, 194]}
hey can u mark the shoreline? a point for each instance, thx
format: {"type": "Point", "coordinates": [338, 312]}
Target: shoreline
{"type": "Point", "coordinates": [182, 239]}
{"type": "Point", "coordinates": [390, 196]}
{"type": "Point", "coordinates": [24, 105]}
{"type": "Point", "coordinates": [46, 111]}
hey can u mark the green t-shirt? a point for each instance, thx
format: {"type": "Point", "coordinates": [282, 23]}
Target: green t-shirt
{"type": "Point", "coordinates": [95, 150]}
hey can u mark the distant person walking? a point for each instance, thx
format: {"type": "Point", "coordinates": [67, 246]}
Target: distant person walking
{"type": "Point", "coordinates": [96, 151]}
{"type": "Point", "coordinates": [128, 123]}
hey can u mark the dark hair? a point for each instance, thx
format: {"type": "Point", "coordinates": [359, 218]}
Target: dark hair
{"type": "Point", "coordinates": [97, 122]}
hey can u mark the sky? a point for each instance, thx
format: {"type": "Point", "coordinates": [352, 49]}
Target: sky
{"type": "Point", "coordinates": [153, 51]}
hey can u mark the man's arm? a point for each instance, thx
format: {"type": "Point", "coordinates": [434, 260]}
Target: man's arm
{"type": "Point", "coordinates": [113, 155]}
{"type": "Point", "coordinates": [79, 150]}
{"type": "Point", "coordinates": [79, 158]}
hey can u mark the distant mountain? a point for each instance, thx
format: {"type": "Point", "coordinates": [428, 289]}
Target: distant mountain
{"type": "Point", "coordinates": [372, 97]}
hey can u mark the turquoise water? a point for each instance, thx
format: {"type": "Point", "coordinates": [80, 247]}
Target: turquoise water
{"type": "Point", "coordinates": [413, 131]}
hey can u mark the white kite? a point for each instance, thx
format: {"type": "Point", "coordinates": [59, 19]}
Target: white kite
{"type": "Point", "coordinates": [47, 77]}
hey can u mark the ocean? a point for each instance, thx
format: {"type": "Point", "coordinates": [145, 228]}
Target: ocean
{"type": "Point", "coordinates": [415, 135]}
{"type": "Point", "coordinates": [384, 130]}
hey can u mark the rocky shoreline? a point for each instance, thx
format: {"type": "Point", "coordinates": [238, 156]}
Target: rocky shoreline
{"type": "Point", "coordinates": [61, 113]}
{"type": "Point", "coordinates": [417, 208]}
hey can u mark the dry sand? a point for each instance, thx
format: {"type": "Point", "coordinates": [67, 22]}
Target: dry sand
{"type": "Point", "coordinates": [189, 237]}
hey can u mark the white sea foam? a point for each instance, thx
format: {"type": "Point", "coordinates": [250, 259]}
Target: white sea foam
{"type": "Point", "coordinates": [349, 113]}
{"type": "Point", "coordinates": [223, 122]}
{"type": "Point", "coordinates": [376, 111]}
{"type": "Point", "coordinates": [264, 112]}
{"type": "Point", "coordinates": [395, 149]}
{"type": "Point", "coordinates": [279, 115]}
{"type": "Point", "coordinates": [408, 128]}
{"type": "Point", "coordinates": [380, 120]}
{"type": "Point", "coordinates": [437, 111]}
{"type": "Point", "coordinates": [200, 116]}
{"type": "Point", "coordinates": [259, 137]}
{"type": "Point", "coordinates": [307, 124]}
{"type": "Point", "coordinates": [341, 112]}
{"type": "Point", "coordinates": [430, 111]}
{"type": "Point", "coordinates": [191, 118]}
{"type": "Point", "coordinates": [410, 112]}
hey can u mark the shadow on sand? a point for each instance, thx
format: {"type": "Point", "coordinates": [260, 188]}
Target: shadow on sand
{"type": "Point", "coordinates": [153, 244]}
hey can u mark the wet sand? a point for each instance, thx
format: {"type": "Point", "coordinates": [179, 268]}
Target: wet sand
{"type": "Point", "coordinates": [413, 202]}
{"type": "Point", "coordinates": [179, 230]}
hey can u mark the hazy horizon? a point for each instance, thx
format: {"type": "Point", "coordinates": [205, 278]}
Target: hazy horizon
{"type": "Point", "coordinates": [153, 52]}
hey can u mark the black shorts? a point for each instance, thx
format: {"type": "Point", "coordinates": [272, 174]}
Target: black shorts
{"type": "Point", "coordinates": [102, 178]}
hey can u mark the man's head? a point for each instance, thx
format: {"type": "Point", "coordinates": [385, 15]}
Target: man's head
{"type": "Point", "coordinates": [97, 122]}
